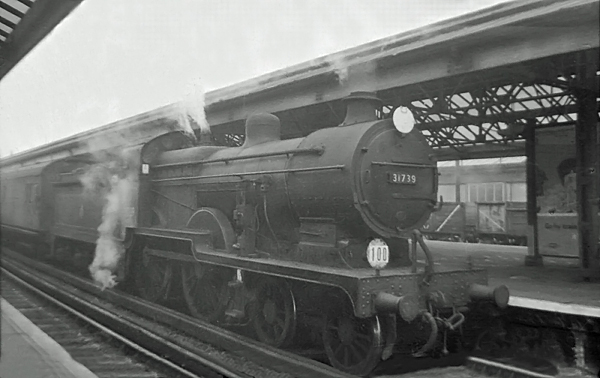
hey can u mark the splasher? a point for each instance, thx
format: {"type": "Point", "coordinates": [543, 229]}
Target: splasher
{"type": "Point", "coordinates": [191, 111]}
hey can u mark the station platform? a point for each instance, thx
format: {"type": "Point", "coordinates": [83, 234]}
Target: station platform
{"type": "Point", "coordinates": [556, 286]}
{"type": "Point", "coordinates": [26, 351]}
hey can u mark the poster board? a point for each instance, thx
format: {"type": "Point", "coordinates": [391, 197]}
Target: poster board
{"type": "Point", "coordinates": [556, 192]}
{"type": "Point", "coordinates": [557, 235]}
{"type": "Point", "coordinates": [555, 170]}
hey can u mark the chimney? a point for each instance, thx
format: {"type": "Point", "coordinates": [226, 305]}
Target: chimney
{"type": "Point", "coordinates": [361, 107]}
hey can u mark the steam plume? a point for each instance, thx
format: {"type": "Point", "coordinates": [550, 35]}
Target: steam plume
{"type": "Point", "coordinates": [192, 108]}
{"type": "Point", "coordinates": [340, 69]}
{"type": "Point", "coordinates": [114, 179]}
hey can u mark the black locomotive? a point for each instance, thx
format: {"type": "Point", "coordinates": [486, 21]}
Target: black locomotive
{"type": "Point", "coordinates": [298, 239]}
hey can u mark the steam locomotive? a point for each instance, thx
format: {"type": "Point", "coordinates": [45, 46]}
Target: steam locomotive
{"type": "Point", "coordinates": [282, 236]}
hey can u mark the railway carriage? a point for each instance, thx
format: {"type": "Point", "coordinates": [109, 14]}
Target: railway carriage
{"type": "Point", "coordinates": [21, 204]}
{"type": "Point", "coordinates": [284, 236]}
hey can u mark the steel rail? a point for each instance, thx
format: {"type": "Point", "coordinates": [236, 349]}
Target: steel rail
{"type": "Point", "coordinates": [262, 355]}
{"type": "Point", "coordinates": [473, 363]}
{"type": "Point", "coordinates": [503, 370]}
{"type": "Point", "coordinates": [130, 343]}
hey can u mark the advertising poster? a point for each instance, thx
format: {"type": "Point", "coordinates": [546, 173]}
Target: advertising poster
{"type": "Point", "coordinates": [555, 171]}
{"type": "Point", "coordinates": [556, 191]}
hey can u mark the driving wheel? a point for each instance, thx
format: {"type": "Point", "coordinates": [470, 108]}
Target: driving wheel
{"type": "Point", "coordinates": [205, 291]}
{"type": "Point", "coordinates": [275, 312]}
{"type": "Point", "coordinates": [153, 278]}
{"type": "Point", "coordinates": [353, 345]}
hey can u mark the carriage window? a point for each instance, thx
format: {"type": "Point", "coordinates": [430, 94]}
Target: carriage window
{"type": "Point", "coordinates": [480, 193]}
{"type": "Point", "coordinates": [447, 192]}
{"type": "Point", "coordinates": [486, 192]}
{"type": "Point", "coordinates": [472, 193]}
{"type": "Point", "coordinates": [489, 193]}
{"type": "Point", "coordinates": [518, 192]}
{"type": "Point", "coordinates": [499, 192]}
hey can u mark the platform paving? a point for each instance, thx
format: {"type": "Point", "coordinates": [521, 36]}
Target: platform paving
{"type": "Point", "coordinates": [556, 286]}
{"type": "Point", "coordinates": [26, 351]}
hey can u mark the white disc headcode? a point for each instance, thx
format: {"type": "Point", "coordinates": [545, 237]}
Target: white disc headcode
{"type": "Point", "coordinates": [378, 253]}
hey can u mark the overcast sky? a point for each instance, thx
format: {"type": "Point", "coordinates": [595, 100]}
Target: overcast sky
{"type": "Point", "coordinates": [112, 59]}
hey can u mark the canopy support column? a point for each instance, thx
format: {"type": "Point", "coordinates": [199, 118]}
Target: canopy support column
{"type": "Point", "coordinates": [533, 257]}
{"type": "Point", "coordinates": [586, 136]}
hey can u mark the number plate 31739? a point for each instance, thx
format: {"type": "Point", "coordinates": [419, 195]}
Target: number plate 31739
{"type": "Point", "coordinates": [401, 178]}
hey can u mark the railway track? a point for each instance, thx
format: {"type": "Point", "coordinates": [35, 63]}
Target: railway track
{"type": "Point", "coordinates": [85, 348]}
{"type": "Point", "coordinates": [152, 346]}
{"type": "Point", "coordinates": [164, 332]}
{"type": "Point", "coordinates": [498, 369]}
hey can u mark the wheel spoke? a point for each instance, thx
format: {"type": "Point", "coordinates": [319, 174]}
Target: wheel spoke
{"type": "Point", "coordinates": [275, 318]}
{"type": "Point", "coordinates": [213, 302]}
{"type": "Point", "coordinates": [273, 333]}
{"type": "Point", "coordinates": [205, 286]}
{"type": "Point", "coordinates": [196, 287]}
{"type": "Point", "coordinates": [363, 337]}
{"type": "Point", "coordinates": [346, 357]}
{"type": "Point", "coordinates": [190, 279]}
{"type": "Point", "coordinates": [280, 323]}
{"type": "Point", "coordinates": [356, 353]}
{"type": "Point", "coordinates": [203, 302]}
{"type": "Point", "coordinates": [353, 345]}
{"type": "Point", "coordinates": [337, 350]}
{"type": "Point", "coordinates": [363, 347]}
{"type": "Point", "coordinates": [153, 281]}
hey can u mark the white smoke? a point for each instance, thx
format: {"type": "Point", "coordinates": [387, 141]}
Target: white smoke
{"type": "Point", "coordinates": [341, 70]}
{"type": "Point", "coordinates": [191, 108]}
{"type": "Point", "coordinates": [342, 74]}
{"type": "Point", "coordinates": [184, 122]}
{"type": "Point", "coordinates": [109, 248]}
{"type": "Point", "coordinates": [114, 179]}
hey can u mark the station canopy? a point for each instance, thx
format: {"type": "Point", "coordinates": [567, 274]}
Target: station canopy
{"type": "Point", "coordinates": [24, 23]}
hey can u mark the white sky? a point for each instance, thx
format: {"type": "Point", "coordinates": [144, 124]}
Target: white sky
{"type": "Point", "coordinates": [112, 59]}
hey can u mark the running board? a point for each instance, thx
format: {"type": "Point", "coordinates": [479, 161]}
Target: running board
{"type": "Point", "coordinates": [163, 239]}
{"type": "Point", "coordinates": [172, 234]}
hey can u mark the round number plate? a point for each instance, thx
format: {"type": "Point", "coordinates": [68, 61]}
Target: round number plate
{"type": "Point", "coordinates": [378, 253]}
